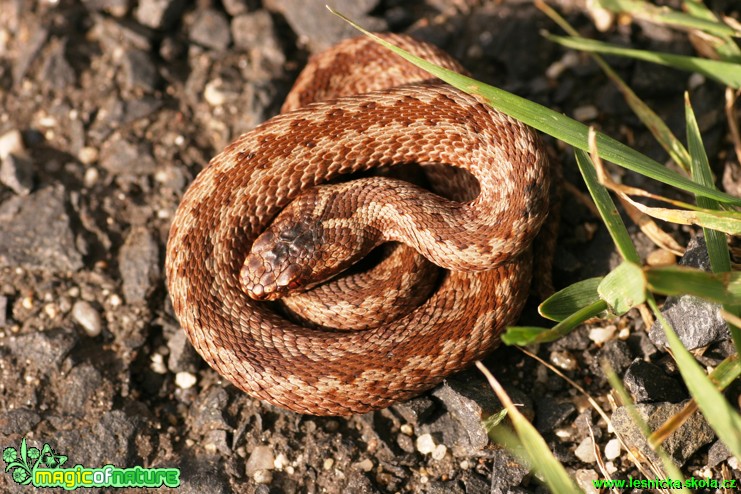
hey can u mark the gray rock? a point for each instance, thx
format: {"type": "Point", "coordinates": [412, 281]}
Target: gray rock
{"type": "Point", "coordinates": [37, 233]}
{"type": "Point", "coordinates": [416, 410]}
{"type": "Point", "coordinates": [585, 425]}
{"type": "Point", "coordinates": [18, 421]}
{"type": "Point", "coordinates": [16, 170]}
{"type": "Point", "coordinates": [237, 7]}
{"type": "Point", "coordinates": [256, 32]}
{"type": "Point", "coordinates": [16, 173]}
{"type": "Point", "coordinates": [116, 8]}
{"type": "Point", "coordinates": [183, 357]}
{"type": "Point", "coordinates": [697, 323]}
{"type": "Point", "coordinates": [139, 264]}
{"type": "Point", "coordinates": [158, 14]}
{"type": "Point", "coordinates": [56, 71]}
{"type": "Point", "coordinates": [80, 386]}
{"type": "Point", "coordinates": [35, 37]}
{"type": "Point", "coordinates": [640, 345]}
{"type": "Point", "coordinates": [648, 383]}
{"type": "Point", "coordinates": [318, 27]}
{"type": "Point", "coordinates": [203, 474]}
{"type": "Point", "coordinates": [718, 453]}
{"type": "Point", "coordinates": [211, 29]}
{"type": "Point", "coordinates": [3, 311]}
{"type": "Point", "coordinates": [551, 413]}
{"type": "Point", "coordinates": [468, 401]}
{"type": "Point", "coordinates": [682, 444]}
{"type": "Point", "coordinates": [616, 353]}
{"type": "Point", "coordinates": [43, 351]}
{"type": "Point", "coordinates": [139, 70]}
{"type": "Point", "coordinates": [119, 156]}
{"type": "Point", "coordinates": [506, 472]}
{"type": "Point", "coordinates": [207, 411]}
{"type": "Point", "coordinates": [109, 439]}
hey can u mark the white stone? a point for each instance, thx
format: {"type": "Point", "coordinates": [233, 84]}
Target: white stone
{"type": "Point", "coordinates": [87, 317]}
{"type": "Point", "coordinates": [185, 380]}
{"type": "Point", "coordinates": [263, 476]}
{"type": "Point", "coordinates": [612, 449]}
{"type": "Point", "coordinates": [261, 458]}
{"type": "Point", "coordinates": [425, 444]}
{"type": "Point", "coordinates": [585, 451]}
{"type": "Point", "coordinates": [439, 452]}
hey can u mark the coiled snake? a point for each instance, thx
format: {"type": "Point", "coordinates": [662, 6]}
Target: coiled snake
{"type": "Point", "coordinates": [383, 112]}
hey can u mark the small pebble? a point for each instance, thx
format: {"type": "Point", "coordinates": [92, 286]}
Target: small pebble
{"type": "Point", "coordinates": [185, 380]}
{"type": "Point", "coordinates": [11, 143]}
{"type": "Point", "coordinates": [281, 462]}
{"type": "Point", "coordinates": [407, 429]}
{"type": "Point", "coordinates": [364, 465]}
{"type": "Point", "coordinates": [263, 476]}
{"type": "Point", "coordinates": [602, 335]}
{"type": "Point", "coordinates": [261, 458]}
{"type": "Point", "coordinates": [585, 479]}
{"type": "Point", "coordinates": [328, 464]}
{"type": "Point", "coordinates": [563, 360]}
{"type": "Point", "coordinates": [158, 364]}
{"type": "Point", "coordinates": [612, 449]}
{"type": "Point", "coordinates": [425, 444]}
{"type": "Point", "coordinates": [585, 451]}
{"type": "Point", "coordinates": [439, 452]}
{"type": "Point", "coordinates": [88, 155]}
{"type": "Point", "coordinates": [91, 177]}
{"type": "Point", "coordinates": [87, 317]}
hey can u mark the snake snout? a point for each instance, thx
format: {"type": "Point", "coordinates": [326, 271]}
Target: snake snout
{"type": "Point", "coordinates": [273, 267]}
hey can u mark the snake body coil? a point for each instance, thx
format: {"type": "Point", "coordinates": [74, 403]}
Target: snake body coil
{"type": "Point", "coordinates": [397, 117]}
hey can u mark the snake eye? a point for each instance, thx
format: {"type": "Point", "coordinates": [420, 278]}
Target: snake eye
{"type": "Point", "coordinates": [289, 277]}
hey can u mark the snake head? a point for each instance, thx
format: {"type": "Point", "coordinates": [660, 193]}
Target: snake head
{"type": "Point", "coordinates": [277, 263]}
{"type": "Point", "coordinates": [303, 247]}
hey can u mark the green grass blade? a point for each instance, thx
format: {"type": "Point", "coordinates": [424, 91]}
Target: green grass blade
{"type": "Point", "coordinates": [574, 297]}
{"type": "Point", "coordinates": [623, 288]}
{"type": "Point", "coordinates": [726, 73]}
{"type": "Point", "coordinates": [725, 47]}
{"type": "Point", "coordinates": [557, 125]}
{"type": "Point", "coordinates": [525, 335]}
{"type": "Point", "coordinates": [720, 259]}
{"type": "Point", "coordinates": [726, 372]}
{"type": "Point", "coordinates": [661, 132]}
{"type": "Point", "coordinates": [669, 467]}
{"type": "Point", "coordinates": [606, 208]}
{"type": "Point", "coordinates": [721, 288]}
{"type": "Point", "coordinates": [538, 453]}
{"type": "Point", "coordinates": [664, 15]}
{"type": "Point", "coordinates": [723, 419]}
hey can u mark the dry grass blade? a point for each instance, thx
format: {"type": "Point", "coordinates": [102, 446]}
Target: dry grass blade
{"type": "Point", "coordinates": [596, 406]}
{"type": "Point", "coordinates": [536, 449]}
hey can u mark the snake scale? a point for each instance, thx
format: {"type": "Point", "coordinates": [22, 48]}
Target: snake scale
{"type": "Point", "coordinates": [354, 108]}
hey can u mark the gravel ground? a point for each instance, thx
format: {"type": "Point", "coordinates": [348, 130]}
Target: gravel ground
{"type": "Point", "coordinates": [109, 108]}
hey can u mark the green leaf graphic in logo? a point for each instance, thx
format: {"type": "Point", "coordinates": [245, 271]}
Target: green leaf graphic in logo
{"type": "Point", "coordinates": [21, 475]}
{"type": "Point", "coordinates": [24, 461]}
{"type": "Point", "coordinates": [18, 463]}
{"type": "Point", "coordinates": [49, 459]}
{"type": "Point", "coordinates": [10, 455]}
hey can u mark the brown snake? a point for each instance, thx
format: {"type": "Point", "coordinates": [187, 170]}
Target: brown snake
{"type": "Point", "coordinates": [484, 242]}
